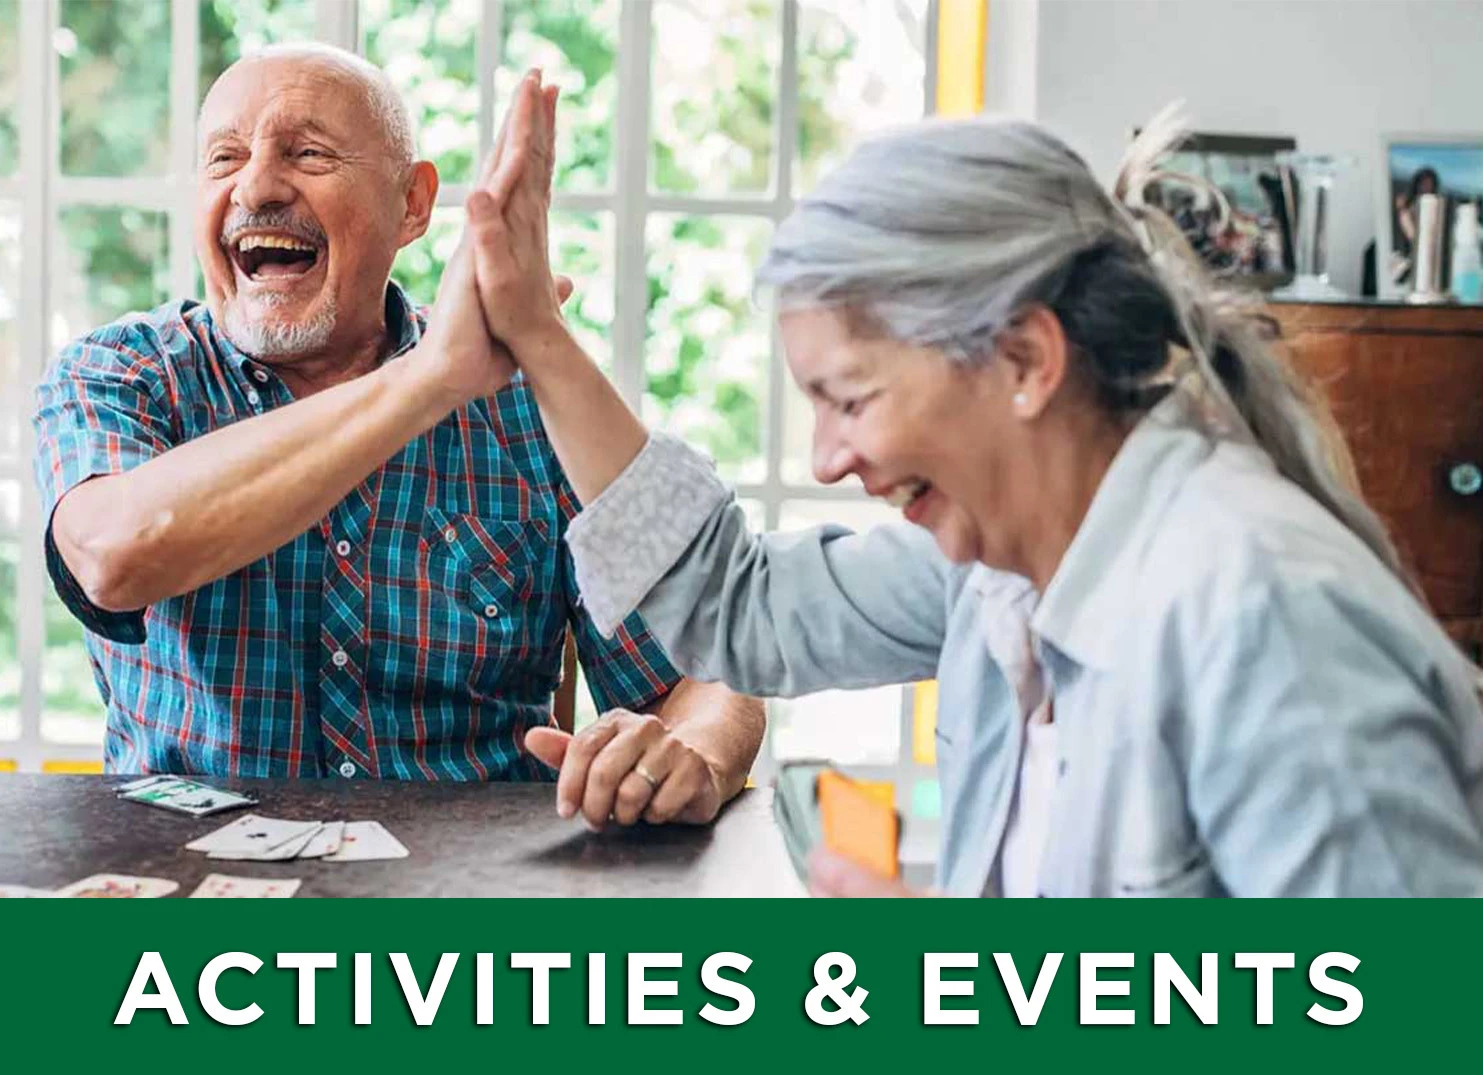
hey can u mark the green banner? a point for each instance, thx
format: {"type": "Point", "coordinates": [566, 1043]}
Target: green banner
{"type": "Point", "coordinates": [722, 985]}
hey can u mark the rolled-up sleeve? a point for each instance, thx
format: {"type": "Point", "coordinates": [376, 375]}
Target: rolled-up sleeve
{"type": "Point", "coordinates": [103, 408]}
{"type": "Point", "coordinates": [775, 615]}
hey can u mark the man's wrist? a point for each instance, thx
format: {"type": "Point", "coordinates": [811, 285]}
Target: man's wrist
{"type": "Point", "coordinates": [418, 381]}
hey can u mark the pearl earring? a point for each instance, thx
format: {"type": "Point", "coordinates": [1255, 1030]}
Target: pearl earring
{"type": "Point", "coordinates": [1020, 400]}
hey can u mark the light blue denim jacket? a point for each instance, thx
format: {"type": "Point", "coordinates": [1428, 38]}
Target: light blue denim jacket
{"type": "Point", "coordinates": [1249, 702]}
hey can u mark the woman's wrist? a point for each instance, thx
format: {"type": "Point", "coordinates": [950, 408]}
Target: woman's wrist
{"type": "Point", "coordinates": [548, 350]}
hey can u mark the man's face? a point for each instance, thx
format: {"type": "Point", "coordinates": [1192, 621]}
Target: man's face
{"type": "Point", "coordinates": [301, 207]}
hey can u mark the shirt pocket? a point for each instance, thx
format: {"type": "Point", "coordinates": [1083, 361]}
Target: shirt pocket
{"type": "Point", "coordinates": [496, 582]}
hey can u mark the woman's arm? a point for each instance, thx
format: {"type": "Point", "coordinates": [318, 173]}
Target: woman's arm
{"type": "Point", "coordinates": [779, 615]}
{"type": "Point", "coordinates": [770, 614]}
{"type": "Point", "coordinates": [594, 433]}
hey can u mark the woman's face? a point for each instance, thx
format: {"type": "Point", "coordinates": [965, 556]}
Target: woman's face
{"type": "Point", "coordinates": [931, 437]}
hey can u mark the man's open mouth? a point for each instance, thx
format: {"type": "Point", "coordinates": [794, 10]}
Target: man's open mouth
{"type": "Point", "coordinates": [273, 257]}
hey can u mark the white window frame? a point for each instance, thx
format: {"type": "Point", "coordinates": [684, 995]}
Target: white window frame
{"type": "Point", "coordinates": [43, 192]}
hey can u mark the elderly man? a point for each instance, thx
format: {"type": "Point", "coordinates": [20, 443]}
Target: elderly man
{"type": "Point", "coordinates": [306, 534]}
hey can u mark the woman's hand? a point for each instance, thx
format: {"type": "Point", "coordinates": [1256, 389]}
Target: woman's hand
{"type": "Point", "coordinates": [507, 225]}
{"type": "Point", "coordinates": [834, 875]}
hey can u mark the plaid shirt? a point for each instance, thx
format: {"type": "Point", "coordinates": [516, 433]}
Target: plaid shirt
{"type": "Point", "coordinates": [415, 633]}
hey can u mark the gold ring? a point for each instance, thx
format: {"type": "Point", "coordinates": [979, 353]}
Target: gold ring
{"type": "Point", "coordinates": [650, 777]}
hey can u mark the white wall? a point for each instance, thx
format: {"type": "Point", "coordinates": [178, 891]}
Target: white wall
{"type": "Point", "coordinates": [1336, 74]}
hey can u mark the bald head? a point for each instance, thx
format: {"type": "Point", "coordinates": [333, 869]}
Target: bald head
{"type": "Point", "coordinates": [335, 68]}
{"type": "Point", "coordinates": [305, 191]}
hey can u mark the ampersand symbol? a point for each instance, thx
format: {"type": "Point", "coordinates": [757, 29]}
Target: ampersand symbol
{"type": "Point", "coordinates": [849, 1005]}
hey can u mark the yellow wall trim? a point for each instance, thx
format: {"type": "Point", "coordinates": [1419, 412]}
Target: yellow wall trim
{"type": "Point", "coordinates": [72, 767]}
{"type": "Point", "coordinates": [924, 723]}
{"type": "Point", "coordinates": [962, 34]}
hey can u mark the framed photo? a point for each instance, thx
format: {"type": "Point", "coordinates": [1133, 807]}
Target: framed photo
{"type": "Point", "coordinates": [1417, 164]}
{"type": "Point", "coordinates": [1235, 208]}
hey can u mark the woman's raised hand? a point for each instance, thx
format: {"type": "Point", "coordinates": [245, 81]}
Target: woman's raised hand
{"type": "Point", "coordinates": [507, 226]}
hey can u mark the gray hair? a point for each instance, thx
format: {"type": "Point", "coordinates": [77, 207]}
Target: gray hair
{"type": "Point", "coordinates": [941, 233]}
{"type": "Point", "coordinates": [385, 102]}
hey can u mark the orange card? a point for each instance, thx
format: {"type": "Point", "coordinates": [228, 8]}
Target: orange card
{"type": "Point", "coordinates": [857, 824]}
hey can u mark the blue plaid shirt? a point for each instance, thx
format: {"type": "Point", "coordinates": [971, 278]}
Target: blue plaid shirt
{"type": "Point", "coordinates": [415, 633]}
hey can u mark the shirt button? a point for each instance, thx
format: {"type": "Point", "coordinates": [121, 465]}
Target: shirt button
{"type": "Point", "coordinates": [450, 534]}
{"type": "Point", "coordinates": [491, 611]}
{"type": "Point", "coordinates": [340, 658]}
{"type": "Point", "coordinates": [347, 769]}
{"type": "Point", "coordinates": [260, 376]}
{"type": "Point", "coordinates": [342, 548]}
{"type": "Point", "coordinates": [254, 398]}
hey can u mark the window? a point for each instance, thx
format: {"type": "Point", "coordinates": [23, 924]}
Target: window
{"type": "Point", "coordinates": [687, 130]}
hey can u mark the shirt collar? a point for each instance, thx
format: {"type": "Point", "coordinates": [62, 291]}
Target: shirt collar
{"type": "Point", "coordinates": [402, 326]}
{"type": "Point", "coordinates": [1086, 607]}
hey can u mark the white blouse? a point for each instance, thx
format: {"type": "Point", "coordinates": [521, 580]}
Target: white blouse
{"type": "Point", "coordinates": [1008, 605]}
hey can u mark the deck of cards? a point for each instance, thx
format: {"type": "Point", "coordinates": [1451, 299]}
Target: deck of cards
{"type": "Point", "coordinates": [182, 796]}
{"type": "Point", "coordinates": [252, 838]}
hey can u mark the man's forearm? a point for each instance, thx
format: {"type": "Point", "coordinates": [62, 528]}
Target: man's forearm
{"type": "Point", "coordinates": [208, 507]}
{"type": "Point", "coordinates": [722, 726]}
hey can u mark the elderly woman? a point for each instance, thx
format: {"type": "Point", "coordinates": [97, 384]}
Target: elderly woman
{"type": "Point", "coordinates": [1177, 654]}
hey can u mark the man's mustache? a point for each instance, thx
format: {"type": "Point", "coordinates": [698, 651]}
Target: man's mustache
{"type": "Point", "coordinates": [280, 220]}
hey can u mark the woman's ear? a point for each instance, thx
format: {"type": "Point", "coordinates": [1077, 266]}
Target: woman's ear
{"type": "Point", "coordinates": [1038, 356]}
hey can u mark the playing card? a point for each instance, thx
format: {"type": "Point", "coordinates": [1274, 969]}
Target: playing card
{"type": "Point", "coordinates": [118, 886]}
{"type": "Point", "coordinates": [251, 835]}
{"type": "Point", "coordinates": [367, 840]}
{"type": "Point", "coordinates": [288, 849]}
{"type": "Point", "coordinates": [135, 785]}
{"type": "Point", "coordinates": [187, 797]}
{"type": "Point", "coordinates": [21, 892]}
{"type": "Point", "coordinates": [221, 886]}
{"type": "Point", "coordinates": [325, 842]}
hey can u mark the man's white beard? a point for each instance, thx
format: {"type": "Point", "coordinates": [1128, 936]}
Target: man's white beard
{"type": "Point", "coordinates": [280, 339]}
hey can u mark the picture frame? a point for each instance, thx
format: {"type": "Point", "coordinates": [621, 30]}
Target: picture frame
{"type": "Point", "coordinates": [1456, 163]}
{"type": "Point", "coordinates": [1249, 238]}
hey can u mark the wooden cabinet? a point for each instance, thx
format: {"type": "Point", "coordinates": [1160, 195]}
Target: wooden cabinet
{"type": "Point", "coordinates": [1406, 386]}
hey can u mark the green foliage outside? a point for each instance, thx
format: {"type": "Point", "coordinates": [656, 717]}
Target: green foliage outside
{"type": "Point", "coordinates": [711, 133]}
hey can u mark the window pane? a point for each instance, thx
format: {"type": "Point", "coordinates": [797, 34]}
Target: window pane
{"type": "Point", "coordinates": [708, 344]}
{"type": "Point", "coordinates": [72, 708]}
{"type": "Point", "coordinates": [109, 262]}
{"type": "Point", "coordinates": [10, 78]}
{"type": "Point", "coordinates": [847, 727]}
{"type": "Point", "coordinates": [230, 28]}
{"type": "Point", "coordinates": [575, 43]}
{"type": "Point", "coordinates": [861, 67]}
{"type": "Point", "coordinates": [858, 515]}
{"type": "Point", "coordinates": [12, 385]}
{"type": "Point", "coordinates": [10, 657]}
{"type": "Point", "coordinates": [419, 266]}
{"type": "Point", "coordinates": [428, 47]}
{"type": "Point", "coordinates": [798, 439]}
{"type": "Point", "coordinates": [582, 247]}
{"type": "Point", "coordinates": [714, 79]}
{"type": "Point", "coordinates": [850, 727]}
{"type": "Point", "coordinates": [755, 512]}
{"type": "Point", "coordinates": [115, 87]}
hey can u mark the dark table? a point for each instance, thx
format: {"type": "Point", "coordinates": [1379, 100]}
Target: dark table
{"type": "Point", "coordinates": [464, 839]}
